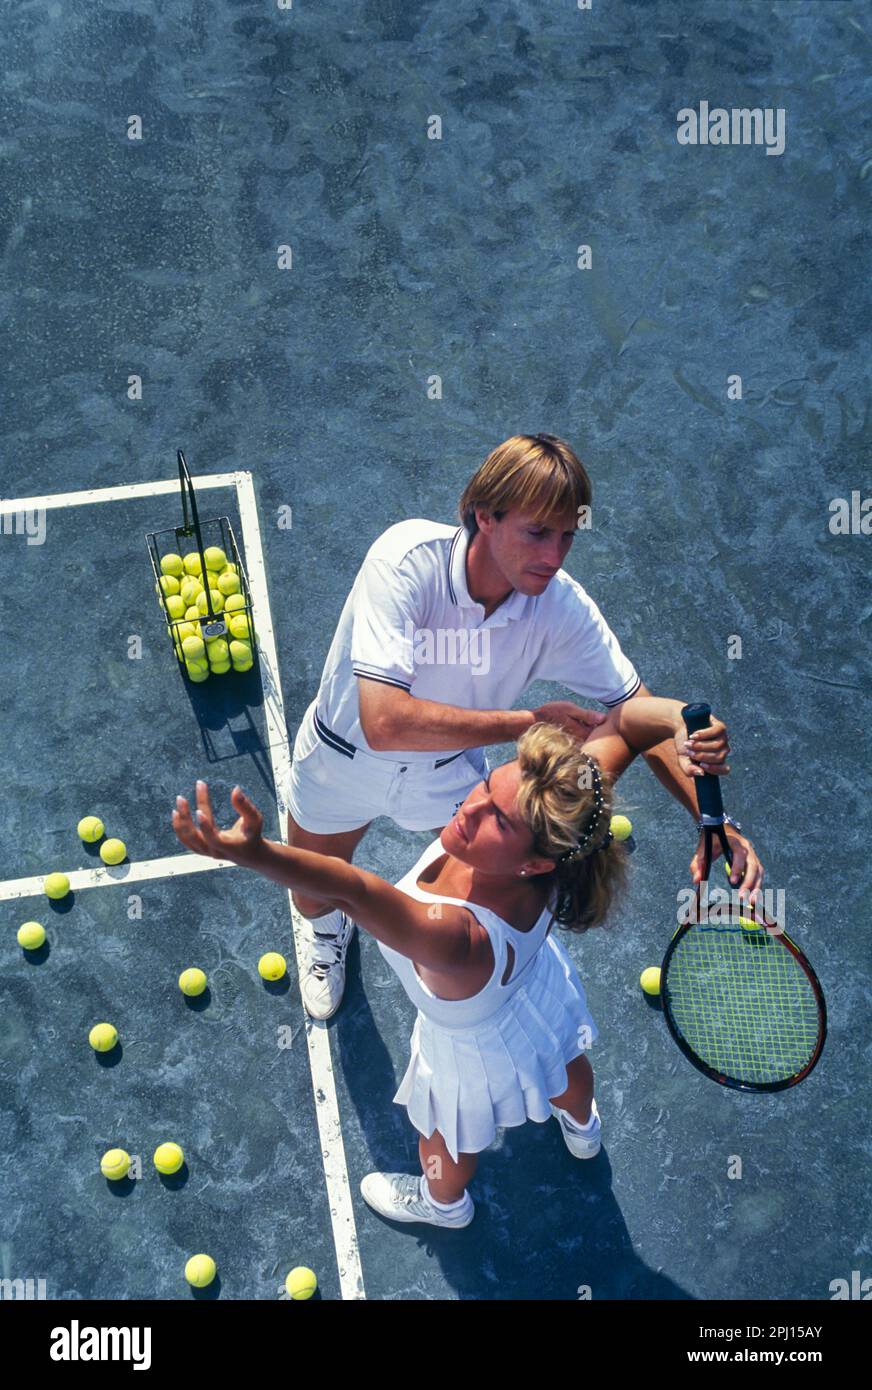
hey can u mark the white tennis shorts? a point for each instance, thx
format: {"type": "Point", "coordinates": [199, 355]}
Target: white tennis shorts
{"type": "Point", "coordinates": [330, 792]}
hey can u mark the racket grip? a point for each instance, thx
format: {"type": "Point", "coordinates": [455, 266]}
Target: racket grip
{"type": "Point", "coordinates": [708, 787]}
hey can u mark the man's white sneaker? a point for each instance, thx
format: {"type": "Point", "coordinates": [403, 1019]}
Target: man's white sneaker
{"type": "Point", "coordinates": [582, 1144]}
{"type": "Point", "coordinates": [323, 984]}
{"type": "Point", "coordinates": [399, 1197]}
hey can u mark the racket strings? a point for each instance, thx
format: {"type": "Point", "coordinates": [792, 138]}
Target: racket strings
{"type": "Point", "coordinates": [742, 1002]}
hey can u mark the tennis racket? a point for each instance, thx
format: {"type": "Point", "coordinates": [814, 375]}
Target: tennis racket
{"type": "Point", "coordinates": [740, 998]}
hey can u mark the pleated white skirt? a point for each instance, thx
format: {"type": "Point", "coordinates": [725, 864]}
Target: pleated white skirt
{"type": "Point", "coordinates": [468, 1082]}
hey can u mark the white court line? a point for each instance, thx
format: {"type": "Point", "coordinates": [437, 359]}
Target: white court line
{"type": "Point", "coordinates": [317, 1036]}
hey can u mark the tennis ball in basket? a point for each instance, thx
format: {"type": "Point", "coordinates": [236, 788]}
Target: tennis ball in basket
{"type": "Point", "coordinates": [234, 601]}
{"type": "Point", "coordinates": [31, 935]}
{"type": "Point", "coordinates": [200, 1271]}
{"type": "Point", "coordinates": [215, 557]}
{"type": "Point", "coordinates": [115, 1164]}
{"type": "Point", "coordinates": [240, 627]}
{"type": "Point", "coordinates": [175, 606]}
{"type": "Point", "coordinates": [217, 601]}
{"type": "Point", "coordinates": [171, 564]}
{"type": "Point", "coordinates": [240, 653]}
{"type": "Point", "coordinates": [90, 829]}
{"type": "Point", "coordinates": [193, 563]}
{"type": "Point", "coordinates": [184, 630]}
{"type": "Point", "coordinates": [168, 585]}
{"type": "Point", "coordinates": [301, 1283]}
{"type": "Point", "coordinates": [113, 851]}
{"type": "Point", "coordinates": [218, 652]}
{"type": "Point", "coordinates": [197, 671]}
{"type": "Point", "coordinates": [192, 615]}
{"type": "Point", "coordinates": [220, 668]}
{"type": "Point", "coordinates": [228, 583]}
{"type": "Point", "coordinates": [194, 648]}
{"type": "Point", "coordinates": [192, 982]}
{"type": "Point", "coordinates": [168, 1159]}
{"type": "Point", "coordinates": [650, 979]}
{"type": "Point", "coordinates": [56, 886]}
{"type": "Point", "coordinates": [103, 1037]}
{"type": "Point", "coordinates": [621, 827]}
{"type": "Point", "coordinates": [189, 590]}
{"type": "Point", "coordinates": [271, 966]}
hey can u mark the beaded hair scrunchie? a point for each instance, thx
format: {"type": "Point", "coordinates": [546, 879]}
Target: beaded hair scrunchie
{"type": "Point", "coordinates": [577, 851]}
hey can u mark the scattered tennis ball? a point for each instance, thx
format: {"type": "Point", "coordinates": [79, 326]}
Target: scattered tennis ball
{"type": "Point", "coordinates": [301, 1283]}
{"type": "Point", "coordinates": [220, 668]}
{"type": "Point", "coordinates": [175, 606]}
{"type": "Point", "coordinates": [200, 1271]}
{"type": "Point", "coordinates": [115, 1164]}
{"type": "Point", "coordinates": [172, 564]}
{"type": "Point", "coordinates": [621, 827]}
{"type": "Point", "coordinates": [192, 562]}
{"type": "Point", "coordinates": [113, 851]}
{"type": "Point", "coordinates": [168, 1159]}
{"type": "Point", "coordinates": [194, 648]}
{"type": "Point", "coordinates": [650, 979]}
{"type": "Point", "coordinates": [31, 935]}
{"type": "Point", "coordinates": [228, 583]}
{"type": "Point", "coordinates": [56, 886]}
{"type": "Point", "coordinates": [217, 601]}
{"type": "Point", "coordinates": [234, 601]}
{"type": "Point", "coordinates": [90, 829]}
{"type": "Point", "coordinates": [272, 966]}
{"type": "Point", "coordinates": [168, 585]}
{"type": "Point", "coordinates": [218, 651]}
{"type": "Point", "coordinates": [215, 557]}
{"type": "Point", "coordinates": [103, 1037]}
{"type": "Point", "coordinates": [192, 982]}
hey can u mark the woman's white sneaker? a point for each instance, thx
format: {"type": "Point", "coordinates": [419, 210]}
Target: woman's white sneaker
{"type": "Point", "coordinates": [582, 1143]}
{"type": "Point", "coordinates": [400, 1197]}
{"type": "Point", "coordinates": [323, 984]}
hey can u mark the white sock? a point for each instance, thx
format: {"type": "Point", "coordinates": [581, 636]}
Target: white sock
{"type": "Point", "coordinates": [329, 924]}
{"type": "Point", "coordinates": [442, 1206]}
{"type": "Point", "coordinates": [582, 1129]}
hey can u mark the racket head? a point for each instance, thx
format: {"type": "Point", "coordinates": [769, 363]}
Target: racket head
{"type": "Point", "coordinates": [743, 1003]}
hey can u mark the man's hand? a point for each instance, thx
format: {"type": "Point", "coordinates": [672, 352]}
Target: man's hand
{"type": "Point", "coordinates": [239, 844]}
{"type": "Point", "coordinates": [705, 751]}
{"type": "Point", "coordinates": [572, 718]}
{"type": "Point", "coordinates": [747, 872]}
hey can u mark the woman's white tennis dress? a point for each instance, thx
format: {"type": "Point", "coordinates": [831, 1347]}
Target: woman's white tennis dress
{"type": "Point", "coordinates": [494, 1060]}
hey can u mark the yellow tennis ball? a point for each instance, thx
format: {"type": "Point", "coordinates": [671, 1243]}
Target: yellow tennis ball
{"type": "Point", "coordinates": [272, 966]}
{"type": "Point", "coordinates": [215, 557]}
{"type": "Point", "coordinates": [103, 1037]}
{"type": "Point", "coordinates": [748, 924]}
{"type": "Point", "coordinates": [234, 601]}
{"type": "Point", "coordinates": [192, 562]}
{"type": "Point", "coordinates": [197, 673]}
{"type": "Point", "coordinates": [197, 665]}
{"type": "Point", "coordinates": [175, 606]}
{"type": "Point", "coordinates": [168, 1159]}
{"type": "Point", "coordinates": [301, 1283]}
{"type": "Point", "coordinates": [167, 585]}
{"type": "Point", "coordinates": [113, 851]}
{"type": "Point", "coordinates": [650, 979]}
{"type": "Point", "coordinates": [228, 583]}
{"type": "Point", "coordinates": [192, 982]}
{"type": "Point", "coordinates": [621, 827]}
{"type": "Point", "coordinates": [239, 625]}
{"type": "Point", "coordinates": [115, 1164]}
{"type": "Point", "coordinates": [31, 935]}
{"type": "Point", "coordinates": [56, 886]}
{"type": "Point", "coordinates": [217, 601]}
{"type": "Point", "coordinates": [192, 615]}
{"type": "Point", "coordinates": [90, 829]}
{"type": "Point", "coordinates": [171, 564]}
{"type": "Point", "coordinates": [240, 653]}
{"type": "Point", "coordinates": [217, 650]}
{"type": "Point", "coordinates": [231, 568]}
{"type": "Point", "coordinates": [200, 1271]}
{"type": "Point", "coordinates": [189, 590]}
{"type": "Point", "coordinates": [194, 648]}
{"type": "Point", "coordinates": [184, 630]}
{"type": "Point", "coordinates": [220, 668]}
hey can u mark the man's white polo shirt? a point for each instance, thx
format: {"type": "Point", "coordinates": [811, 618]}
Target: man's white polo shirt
{"type": "Point", "coordinates": [409, 621]}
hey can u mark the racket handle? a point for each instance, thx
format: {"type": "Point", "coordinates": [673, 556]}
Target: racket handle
{"type": "Point", "coordinates": [708, 787]}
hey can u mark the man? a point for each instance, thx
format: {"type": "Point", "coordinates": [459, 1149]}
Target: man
{"type": "Point", "coordinates": [443, 630]}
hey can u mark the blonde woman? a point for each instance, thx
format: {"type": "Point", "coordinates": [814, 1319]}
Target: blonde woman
{"type": "Point", "coordinates": [503, 1024]}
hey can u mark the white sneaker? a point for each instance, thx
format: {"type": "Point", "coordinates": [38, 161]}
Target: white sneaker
{"type": "Point", "coordinates": [323, 984]}
{"type": "Point", "coordinates": [399, 1197]}
{"type": "Point", "coordinates": [580, 1145]}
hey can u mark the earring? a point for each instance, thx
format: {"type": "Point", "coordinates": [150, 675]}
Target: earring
{"type": "Point", "coordinates": [523, 872]}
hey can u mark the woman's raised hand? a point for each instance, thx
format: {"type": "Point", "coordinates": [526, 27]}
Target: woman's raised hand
{"type": "Point", "coordinates": [200, 834]}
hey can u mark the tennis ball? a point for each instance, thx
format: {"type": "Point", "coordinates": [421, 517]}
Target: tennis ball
{"type": "Point", "coordinates": [192, 982]}
{"type": "Point", "coordinates": [184, 630]}
{"type": "Point", "coordinates": [272, 966]}
{"type": "Point", "coordinates": [217, 601]}
{"type": "Point", "coordinates": [240, 653]}
{"type": "Point", "coordinates": [200, 1271]}
{"type": "Point", "coordinates": [215, 557]}
{"type": "Point", "coordinates": [31, 935]}
{"type": "Point", "coordinates": [103, 1037]}
{"type": "Point", "coordinates": [748, 924]}
{"type": "Point", "coordinates": [113, 851]}
{"type": "Point", "coordinates": [228, 583]}
{"type": "Point", "coordinates": [115, 1164]}
{"type": "Point", "coordinates": [90, 829]}
{"type": "Point", "coordinates": [231, 568]}
{"type": "Point", "coordinates": [168, 1159]}
{"type": "Point", "coordinates": [621, 827]}
{"type": "Point", "coordinates": [56, 886]}
{"type": "Point", "coordinates": [234, 601]}
{"type": "Point", "coordinates": [190, 589]}
{"type": "Point", "coordinates": [194, 648]}
{"type": "Point", "coordinates": [192, 562]}
{"type": "Point", "coordinates": [168, 585]}
{"type": "Point", "coordinates": [197, 672]}
{"type": "Point", "coordinates": [650, 979]}
{"type": "Point", "coordinates": [175, 606]}
{"type": "Point", "coordinates": [218, 652]}
{"type": "Point", "coordinates": [192, 615]}
{"type": "Point", "coordinates": [171, 564]}
{"type": "Point", "coordinates": [239, 625]}
{"type": "Point", "coordinates": [301, 1283]}
{"type": "Point", "coordinates": [220, 668]}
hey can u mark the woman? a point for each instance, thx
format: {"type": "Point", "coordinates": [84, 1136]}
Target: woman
{"type": "Point", "coordinates": [503, 1023]}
